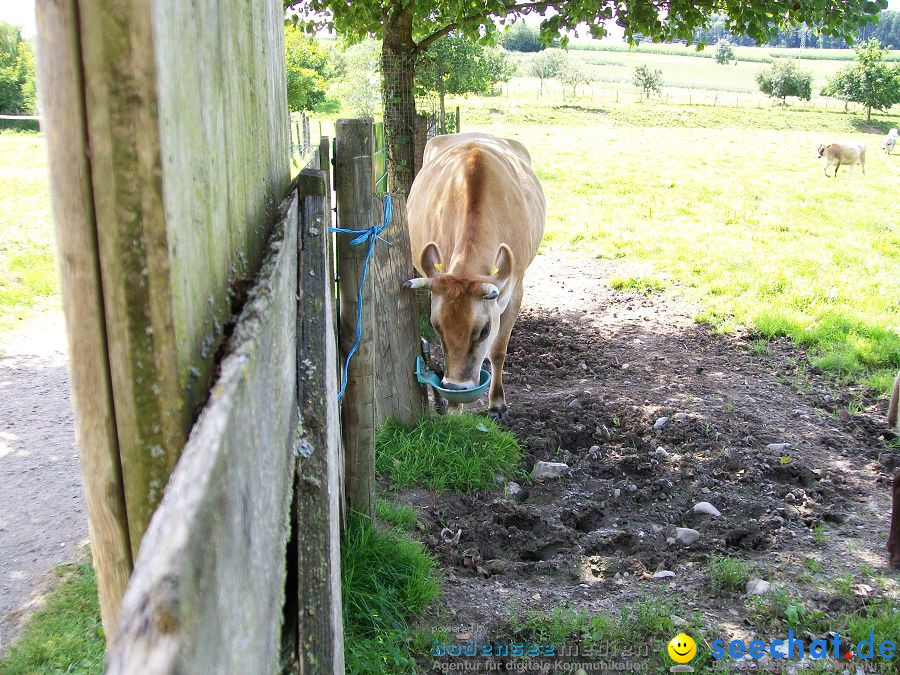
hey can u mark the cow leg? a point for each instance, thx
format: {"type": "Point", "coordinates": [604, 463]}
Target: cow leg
{"type": "Point", "coordinates": [893, 544]}
{"type": "Point", "coordinates": [497, 354]}
{"type": "Point", "coordinates": [836, 167]}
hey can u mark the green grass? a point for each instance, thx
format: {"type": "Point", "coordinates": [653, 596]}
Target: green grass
{"type": "Point", "coordinates": [645, 285]}
{"type": "Point", "coordinates": [464, 453]}
{"type": "Point", "coordinates": [647, 620]}
{"type": "Point", "coordinates": [728, 574]}
{"type": "Point", "coordinates": [740, 220]}
{"type": "Point", "coordinates": [779, 609]}
{"type": "Point", "coordinates": [65, 635]}
{"type": "Point", "coordinates": [387, 579]}
{"type": "Point", "coordinates": [398, 515]}
{"type": "Point", "coordinates": [27, 269]}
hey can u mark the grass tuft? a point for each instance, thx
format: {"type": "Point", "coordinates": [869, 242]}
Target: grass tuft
{"type": "Point", "coordinates": [386, 578]}
{"type": "Point", "coordinates": [451, 452]}
{"type": "Point", "coordinates": [398, 515]}
{"type": "Point", "coordinates": [728, 574]}
{"type": "Point", "coordinates": [645, 285]}
{"type": "Point", "coordinates": [65, 635]}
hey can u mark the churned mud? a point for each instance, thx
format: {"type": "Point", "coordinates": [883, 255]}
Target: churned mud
{"type": "Point", "coordinates": [797, 466]}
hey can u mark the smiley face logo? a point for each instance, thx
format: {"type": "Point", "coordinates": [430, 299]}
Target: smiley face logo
{"type": "Point", "coordinates": [682, 648]}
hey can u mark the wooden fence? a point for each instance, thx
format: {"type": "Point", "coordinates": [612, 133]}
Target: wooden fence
{"type": "Point", "coordinates": [202, 312]}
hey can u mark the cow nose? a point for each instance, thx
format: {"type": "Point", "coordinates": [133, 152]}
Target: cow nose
{"type": "Point", "coordinates": [454, 386]}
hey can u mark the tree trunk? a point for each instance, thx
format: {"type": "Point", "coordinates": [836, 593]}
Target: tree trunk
{"type": "Point", "coordinates": [869, 114]}
{"type": "Point", "coordinates": [443, 114]}
{"type": "Point", "coordinates": [398, 63]}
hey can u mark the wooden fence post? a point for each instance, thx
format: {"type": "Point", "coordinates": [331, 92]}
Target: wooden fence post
{"type": "Point", "coordinates": [317, 503]}
{"type": "Point", "coordinates": [62, 104]}
{"type": "Point", "coordinates": [354, 187]}
{"type": "Point", "coordinates": [397, 337]}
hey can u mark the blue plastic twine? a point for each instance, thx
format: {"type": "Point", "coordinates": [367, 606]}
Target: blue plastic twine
{"type": "Point", "coordinates": [370, 235]}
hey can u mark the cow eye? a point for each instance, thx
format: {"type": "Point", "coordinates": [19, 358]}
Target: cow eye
{"type": "Point", "coordinates": [484, 332]}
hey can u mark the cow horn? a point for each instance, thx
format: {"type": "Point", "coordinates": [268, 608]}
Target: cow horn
{"type": "Point", "coordinates": [490, 291]}
{"type": "Point", "coordinates": [418, 283]}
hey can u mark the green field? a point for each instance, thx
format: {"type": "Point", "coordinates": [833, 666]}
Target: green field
{"type": "Point", "coordinates": [689, 75]}
{"type": "Point", "coordinates": [27, 271]}
{"type": "Point", "coordinates": [730, 207]}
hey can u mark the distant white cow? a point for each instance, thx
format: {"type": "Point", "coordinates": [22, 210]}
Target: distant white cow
{"type": "Point", "coordinates": [890, 141]}
{"type": "Point", "coordinates": [837, 154]}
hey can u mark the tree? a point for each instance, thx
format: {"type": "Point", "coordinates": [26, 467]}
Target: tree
{"type": "Point", "coordinates": [724, 52]}
{"type": "Point", "coordinates": [784, 78]}
{"type": "Point", "coordinates": [304, 61]}
{"type": "Point", "coordinates": [457, 65]}
{"type": "Point", "coordinates": [359, 87]}
{"type": "Point", "coordinates": [648, 81]}
{"type": "Point", "coordinates": [17, 90]}
{"type": "Point", "coordinates": [520, 37]}
{"type": "Point", "coordinates": [409, 27]}
{"type": "Point", "coordinates": [870, 81]}
{"type": "Point", "coordinates": [547, 65]}
{"type": "Point", "coordinates": [574, 73]}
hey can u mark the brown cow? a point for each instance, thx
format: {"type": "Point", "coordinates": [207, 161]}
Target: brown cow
{"type": "Point", "coordinates": [893, 544]}
{"type": "Point", "coordinates": [837, 154]}
{"type": "Point", "coordinates": [476, 218]}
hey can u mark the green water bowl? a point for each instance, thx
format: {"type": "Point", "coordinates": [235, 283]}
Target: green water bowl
{"type": "Point", "coordinates": [429, 377]}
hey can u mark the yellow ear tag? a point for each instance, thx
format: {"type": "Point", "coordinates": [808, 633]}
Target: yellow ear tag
{"type": "Point", "coordinates": [494, 270]}
{"type": "Point", "coordinates": [439, 267]}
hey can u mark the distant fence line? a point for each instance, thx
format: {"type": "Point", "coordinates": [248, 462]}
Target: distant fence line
{"type": "Point", "coordinates": [682, 96]}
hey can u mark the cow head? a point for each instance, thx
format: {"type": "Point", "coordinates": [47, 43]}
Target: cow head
{"type": "Point", "coordinates": [464, 313]}
{"type": "Point", "coordinates": [822, 149]}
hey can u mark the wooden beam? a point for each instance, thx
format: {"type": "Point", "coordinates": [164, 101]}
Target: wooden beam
{"type": "Point", "coordinates": [318, 442]}
{"type": "Point", "coordinates": [354, 188]}
{"type": "Point", "coordinates": [208, 587]}
{"type": "Point", "coordinates": [62, 105]}
{"type": "Point", "coordinates": [397, 337]}
{"type": "Point", "coordinates": [152, 416]}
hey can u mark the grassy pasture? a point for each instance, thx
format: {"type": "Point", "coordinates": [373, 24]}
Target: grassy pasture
{"type": "Point", "coordinates": [740, 219]}
{"type": "Point", "coordinates": [27, 270]}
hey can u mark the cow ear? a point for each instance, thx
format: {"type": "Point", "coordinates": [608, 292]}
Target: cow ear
{"type": "Point", "coordinates": [431, 261]}
{"type": "Point", "coordinates": [503, 264]}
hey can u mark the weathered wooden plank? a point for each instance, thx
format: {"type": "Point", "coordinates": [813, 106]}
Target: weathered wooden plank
{"type": "Point", "coordinates": [317, 443]}
{"type": "Point", "coordinates": [354, 187]}
{"type": "Point", "coordinates": [189, 157]}
{"type": "Point", "coordinates": [62, 105]}
{"type": "Point", "coordinates": [208, 586]}
{"type": "Point", "coordinates": [397, 337]}
{"type": "Point", "coordinates": [126, 164]}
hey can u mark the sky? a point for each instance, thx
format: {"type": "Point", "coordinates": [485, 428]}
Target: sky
{"type": "Point", "coordinates": [21, 13]}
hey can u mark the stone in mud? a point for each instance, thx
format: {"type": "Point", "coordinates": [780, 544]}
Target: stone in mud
{"type": "Point", "coordinates": [758, 587]}
{"type": "Point", "coordinates": [574, 404]}
{"type": "Point", "coordinates": [513, 490]}
{"type": "Point", "coordinates": [660, 423]}
{"type": "Point", "coordinates": [686, 536]}
{"type": "Point", "coordinates": [678, 417]}
{"type": "Point", "coordinates": [707, 508]}
{"type": "Point", "coordinates": [663, 574]}
{"type": "Point", "coordinates": [548, 470]}
{"type": "Point", "coordinates": [777, 447]}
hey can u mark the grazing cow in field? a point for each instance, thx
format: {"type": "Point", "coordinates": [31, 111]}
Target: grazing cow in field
{"type": "Point", "coordinates": [893, 544]}
{"type": "Point", "coordinates": [837, 154]}
{"type": "Point", "coordinates": [476, 218]}
{"type": "Point", "coordinates": [890, 141]}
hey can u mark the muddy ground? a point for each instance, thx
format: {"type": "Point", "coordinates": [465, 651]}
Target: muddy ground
{"type": "Point", "coordinates": [590, 372]}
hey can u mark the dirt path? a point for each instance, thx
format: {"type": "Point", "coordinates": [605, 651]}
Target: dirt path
{"type": "Point", "coordinates": [42, 513]}
{"type": "Point", "coordinates": [590, 372]}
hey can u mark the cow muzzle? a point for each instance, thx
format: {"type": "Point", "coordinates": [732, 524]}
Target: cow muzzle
{"type": "Point", "coordinates": [458, 386]}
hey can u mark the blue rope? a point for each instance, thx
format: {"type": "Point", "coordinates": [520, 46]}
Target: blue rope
{"type": "Point", "coordinates": [370, 235]}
